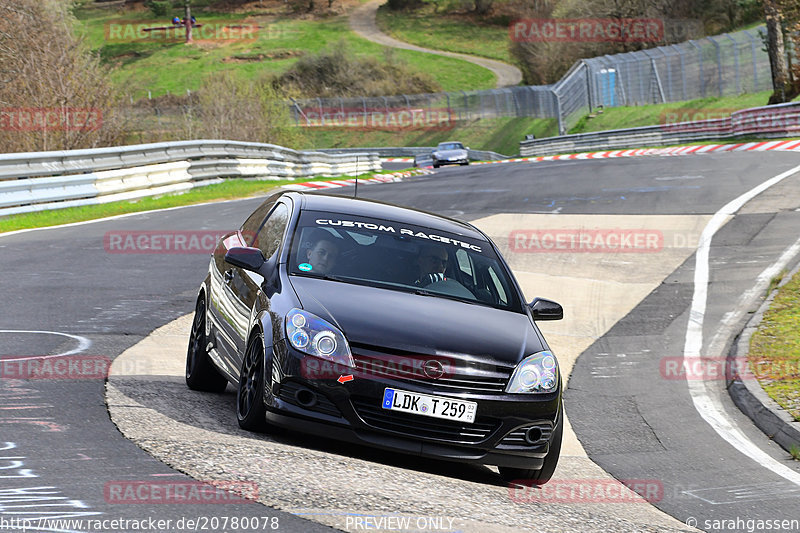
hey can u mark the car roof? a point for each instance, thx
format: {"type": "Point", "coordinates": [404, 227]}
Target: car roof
{"type": "Point", "coordinates": [451, 142]}
{"type": "Point", "coordinates": [381, 210]}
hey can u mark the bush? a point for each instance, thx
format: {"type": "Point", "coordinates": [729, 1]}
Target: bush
{"type": "Point", "coordinates": [231, 108]}
{"type": "Point", "coordinates": [335, 72]}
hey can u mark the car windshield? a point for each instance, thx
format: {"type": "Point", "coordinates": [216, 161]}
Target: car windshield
{"type": "Point", "coordinates": [451, 146]}
{"type": "Point", "coordinates": [399, 256]}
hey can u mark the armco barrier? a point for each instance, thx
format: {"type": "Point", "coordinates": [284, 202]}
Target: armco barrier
{"type": "Point", "coordinates": [413, 151]}
{"type": "Point", "coordinates": [776, 121]}
{"type": "Point", "coordinates": [52, 180]}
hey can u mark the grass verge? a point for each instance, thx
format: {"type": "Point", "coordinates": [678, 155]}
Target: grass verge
{"type": "Point", "coordinates": [501, 135]}
{"type": "Point", "coordinates": [174, 67]}
{"type": "Point", "coordinates": [450, 32]}
{"type": "Point", "coordinates": [775, 348]}
{"type": "Point", "coordinates": [228, 190]}
{"type": "Point", "coordinates": [613, 118]}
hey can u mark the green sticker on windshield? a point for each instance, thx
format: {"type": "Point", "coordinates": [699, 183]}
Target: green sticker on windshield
{"type": "Point", "coordinates": [305, 267]}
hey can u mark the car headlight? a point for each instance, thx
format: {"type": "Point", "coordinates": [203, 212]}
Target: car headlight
{"type": "Point", "coordinates": [310, 334]}
{"type": "Point", "coordinates": [537, 373]}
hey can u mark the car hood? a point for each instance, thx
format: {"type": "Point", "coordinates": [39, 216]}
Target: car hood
{"type": "Point", "coordinates": [421, 324]}
{"type": "Point", "coordinates": [450, 153]}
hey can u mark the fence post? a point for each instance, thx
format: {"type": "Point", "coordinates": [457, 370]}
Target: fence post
{"type": "Point", "coordinates": [558, 114]}
{"type": "Point", "coordinates": [466, 104]}
{"type": "Point", "coordinates": [642, 97]}
{"type": "Point", "coordinates": [588, 84]}
{"type": "Point", "coordinates": [755, 63]}
{"type": "Point", "coordinates": [668, 61]}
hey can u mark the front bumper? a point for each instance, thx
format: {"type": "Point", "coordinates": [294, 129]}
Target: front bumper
{"type": "Point", "coordinates": [442, 162]}
{"type": "Point", "coordinates": [352, 412]}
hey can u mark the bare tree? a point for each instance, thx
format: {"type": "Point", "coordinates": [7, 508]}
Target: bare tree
{"type": "Point", "coordinates": [776, 51]}
{"type": "Point", "coordinates": [232, 108]}
{"type": "Point", "coordinates": [54, 94]}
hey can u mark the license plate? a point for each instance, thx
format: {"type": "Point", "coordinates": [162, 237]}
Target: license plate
{"type": "Point", "coordinates": [425, 405]}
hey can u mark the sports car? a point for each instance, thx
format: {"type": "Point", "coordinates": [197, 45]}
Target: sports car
{"type": "Point", "coordinates": [379, 325]}
{"type": "Point", "coordinates": [450, 153]}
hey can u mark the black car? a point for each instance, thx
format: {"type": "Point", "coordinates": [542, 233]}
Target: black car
{"type": "Point", "coordinates": [379, 325]}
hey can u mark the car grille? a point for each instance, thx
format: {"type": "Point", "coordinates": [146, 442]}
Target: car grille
{"type": "Point", "coordinates": [516, 439]}
{"type": "Point", "coordinates": [460, 376]}
{"type": "Point", "coordinates": [419, 426]}
{"type": "Point", "coordinates": [323, 405]}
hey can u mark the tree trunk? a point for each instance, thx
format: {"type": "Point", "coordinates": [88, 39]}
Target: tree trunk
{"type": "Point", "coordinates": [187, 17]}
{"type": "Point", "coordinates": [776, 52]}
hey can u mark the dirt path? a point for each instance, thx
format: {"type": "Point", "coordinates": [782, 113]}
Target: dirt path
{"type": "Point", "coordinates": [362, 21]}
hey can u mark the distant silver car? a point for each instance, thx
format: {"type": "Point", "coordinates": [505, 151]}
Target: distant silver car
{"type": "Point", "coordinates": [450, 153]}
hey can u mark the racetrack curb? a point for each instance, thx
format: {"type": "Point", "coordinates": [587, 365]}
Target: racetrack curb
{"type": "Point", "coordinates": [750, 397]}
{"type": "Point", "coordinates": [335, 184]}
{"type": "Point", "coordinates": [762, 146]}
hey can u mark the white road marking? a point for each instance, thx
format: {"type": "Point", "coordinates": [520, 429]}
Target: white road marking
{"type": "Point", "coordinates": [83, 343]}
{"type": "Point", "coordinates": [707, 405]}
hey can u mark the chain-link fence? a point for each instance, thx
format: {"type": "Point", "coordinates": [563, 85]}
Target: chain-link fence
{"type": "Point", "coordinates": [722, 65]}
{"type": "Point", "coordinates": [410, 110]}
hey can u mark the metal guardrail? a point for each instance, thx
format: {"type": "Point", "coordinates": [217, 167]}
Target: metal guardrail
{"type": "Point", "coordinates": [775, 121]}
{"type": "Point", "coordinates": [39, 181]}
{"type": "Point", "coordinates": [412, 151]}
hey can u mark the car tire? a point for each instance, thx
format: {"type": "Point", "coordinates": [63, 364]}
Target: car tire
{"type": "Point", "coordinates": [465, 164]}
{"type": "Point", "coordinates": [542, 475]}
{"type": "Point", "coordinates": [250, 410]}
{"type": "Point", "coordinates": [435, 165]}
{"type": "Point", "coordinates": [201, 375]}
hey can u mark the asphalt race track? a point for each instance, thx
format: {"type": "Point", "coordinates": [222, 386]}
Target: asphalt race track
{"type": "Point", "coordinates": [65, 291]}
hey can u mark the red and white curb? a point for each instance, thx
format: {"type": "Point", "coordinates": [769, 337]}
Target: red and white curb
{"type": "Point", "coordinates": [397, 159]}
{"type": "Point", "coordinates": [333, 184]}
{"type": "Point", "coordinates": [762, 146]}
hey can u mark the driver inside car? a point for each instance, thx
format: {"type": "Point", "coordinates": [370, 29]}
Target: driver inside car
{"type": "Point", "coordinates": [431, 262]}
{"type": "Point", "coordinates": [321, 255]}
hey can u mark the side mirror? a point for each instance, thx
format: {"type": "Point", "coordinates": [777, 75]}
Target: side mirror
{"type": "Point", "coordinates": [543, 309]}
{"type": "Point", "coordinates": [247, 258]}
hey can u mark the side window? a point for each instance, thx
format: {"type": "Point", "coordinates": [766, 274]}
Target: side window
{"type": "Point", "coordinates": [250, 227]}
{"type": "Point", "coordinates": [271, 232]}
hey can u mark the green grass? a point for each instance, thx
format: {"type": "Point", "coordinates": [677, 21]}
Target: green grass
{"type": "Point", "coordinates": [775, 348]}
{"type": "Point", "coordinates": [229, 189]}
{"type": "Point", "coordinates": [630, 117]}
{"type": "Point", "coordinates": [440, 31]}
{"type": "Point", "coordinates": [501, 135]}
{"type": "Point", "coordinates": [162, 67]}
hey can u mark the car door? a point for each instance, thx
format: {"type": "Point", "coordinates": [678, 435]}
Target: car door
{"type": "Point", "coordinates": [221, 312]}
{"type": "Point", "coordinates": [241, 286]}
